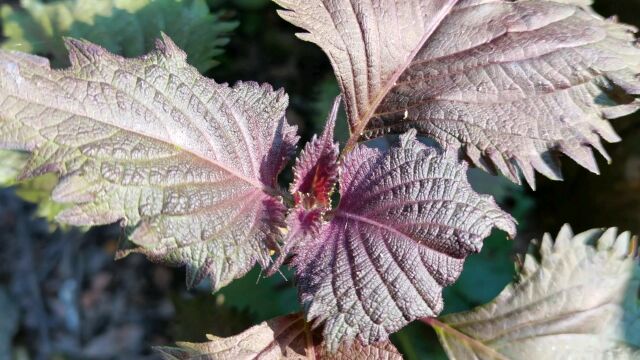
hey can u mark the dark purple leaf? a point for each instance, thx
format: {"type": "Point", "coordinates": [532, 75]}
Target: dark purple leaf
{"type": "Point", "coordinates": [407, 219]}
{"type": "Point", "coordinates": [189, 164]}
{"type": "Point", "coordinates": [507, 84]}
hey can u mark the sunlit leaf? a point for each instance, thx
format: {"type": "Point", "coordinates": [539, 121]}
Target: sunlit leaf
{"type": "Point", "coordinates": [188, 164]}
{"type": "Point", "coordinates": [407, 219]}
{"type": "Point", "coordinates": [578, 299]}
{"type": "Point", "coordinates": [508, 84]}
{"type": "Point", "coordinates": [283, 338]}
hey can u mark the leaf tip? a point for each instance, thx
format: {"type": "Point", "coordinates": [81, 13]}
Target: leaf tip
{"type": "Point", "coordinates": [168, 47]}
{"type": "Point", "coordinates": [82, 51]}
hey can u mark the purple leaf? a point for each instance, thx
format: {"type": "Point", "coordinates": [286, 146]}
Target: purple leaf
{"type": "Point", "coordinates": [189, 164]}
{"type": "Point", "coordinates": [315, 175]}
{"type": "Point", "coordinates": [283, 338]}
{"type": "Point", "coordinates": [508, 84]}
{"type": "Point", "coordinates": [301, 224]}
{"type": "Point", "coordinates": [316, 168]}
{"type": "Point", "coordinates": [407, 219]}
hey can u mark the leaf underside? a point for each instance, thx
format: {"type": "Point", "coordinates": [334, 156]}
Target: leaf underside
{"type": "Point", "coordinates": [283, 338]}
{"type": "Point", "coordinates": [124, 27]}
{"type": "Point", "coordinates": [579, 300]}
{"type": "Point", "coordinates": [407, 219]}
{"type": "Point", "coordinates": [508, 85]}
{"type": "Point", "coordinates": [188, 164]}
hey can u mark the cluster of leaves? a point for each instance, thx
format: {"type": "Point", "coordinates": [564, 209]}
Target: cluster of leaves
{"type": "Point", "coordinates": [189, 166]}
{"type": "Point", "coordinates": [543, 314]}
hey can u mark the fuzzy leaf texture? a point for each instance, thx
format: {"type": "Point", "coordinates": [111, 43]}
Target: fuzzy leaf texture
{"type": "Point", "coordinates": [509, 85]}
{"type": "Point", "coordinates": [124, 27]}
{"type": "Point", "coordinates": [578, 299]}
{"type": "Point", "coordinates": [187, 164]}
{"type": "Point", "coordinates": [38, 28]}
{"type": "Point", "coordinates": [316, 169]}
{"type": "Point", "coordinates": [283, 338]}
{"type": "Point", "coordinates": [407, 219]}
{"type": "Point", "coordinates": [315, 175]}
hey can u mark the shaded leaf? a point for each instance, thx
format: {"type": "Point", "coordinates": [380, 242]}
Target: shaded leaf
{"type": "Point", "coordinates": [36, 190]}
{"type": "Point", "coordinates": [279, 290]}
{"type": "Point", "coordinates": [188, 164]}
{"type": "Point", "coordinates": [285, 337]}
{"type": "Point", "coordinates": [206, 313]}
{"type": "Point", "coordinates": [124, 27]}
{"type": "Point", "coordinates": [487, 273]}
{"type": "Point", "coordinates": [578, 300]}
{"type": "Point", "coordinates": [407, 218]}
{"type": "Point", "coordinates": [507, 84]}
{"type": "Point", "coordinates": [324, 95]}
{"type": "Point", "coordinates": [483, 277]}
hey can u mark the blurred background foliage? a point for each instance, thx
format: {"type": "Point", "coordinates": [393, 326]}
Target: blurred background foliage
{"type": "Point", "coordinates": [62, 296]}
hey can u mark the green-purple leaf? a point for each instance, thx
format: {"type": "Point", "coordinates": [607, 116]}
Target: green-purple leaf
{"type": "Point", "coordinates": [578, 299]}
{"type": "Point", "coordinates": [407, 219]}
{"type": "Point", "coordinates": [507, 84]}
{"type": "Point", "coordinates": [283, 338]}
{"type": "Point", "coordinates": [190, 165]}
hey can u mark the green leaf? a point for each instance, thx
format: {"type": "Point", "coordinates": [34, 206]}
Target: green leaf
{"type": "Point", "coordinates": [125, 27]}
{"type": "Point", "coordinates": [487, 273]}
{"type": "Point", "coordinates": [36, 190]}
{"type": "Point", "coordinates": [579, 299]}
{"type": "Point", "coordinates": [325, 93]}
{"type": "Point", "coordinates": [205, 313]}
{"type": "Point", "coordinates": [280, 291]}
{"type": "Point", "coordinates": [483, 276]}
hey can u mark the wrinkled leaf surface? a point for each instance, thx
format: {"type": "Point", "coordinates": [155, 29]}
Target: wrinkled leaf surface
{"type": "Point", "coordinates": [187, 164]}
{"type": "Point", "coordinates": [407, 219]}
{"type": "Point", "coordinates": [578, 299]}
{"type": "Point", "coordinates": [509, 85]}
